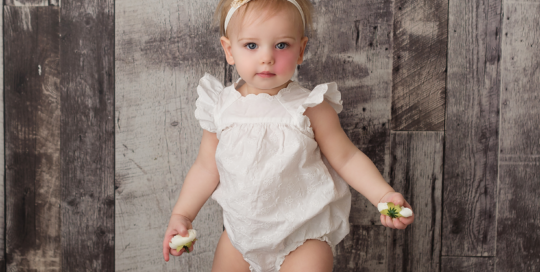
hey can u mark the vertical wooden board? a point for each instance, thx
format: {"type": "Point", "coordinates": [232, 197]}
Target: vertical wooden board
{"type": "Point", "coordinates": [467, 264]}
{"type": "Point", "coordinates": [351, 45]}
{"type": "Point", "coordinates": [33, 138]}
{"type": "Point", "coordinates": [162, 50]}
{"type": "Point", "coordinates": [472, 128]}
{"type": "Point", "coordinates": [518, 220]}
{"type": "Point", "coordinates": [361, 250]}
{"type": "Point", "coordinates": [87, 135]}
{"type": "Point", "coordinates": [2, 153]}
{"type": "Point", "coordinates": [419, 68]}
{"type": "Point", "coordinates": [27, 2]}
{"type": "Point", "coordinates": [416, 172]}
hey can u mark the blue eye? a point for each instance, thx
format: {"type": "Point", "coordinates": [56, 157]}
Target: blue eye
{"type": "Point", "coordinates": [251, 46]}
{"type": "Point", "coordinates": [281, 45]}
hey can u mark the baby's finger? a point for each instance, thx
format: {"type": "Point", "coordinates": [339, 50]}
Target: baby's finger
{"type": "Point", "coordinates": [383, 220]}
{"type": "Point", "coordinates": [176, 253]}
{"type": "Point", "coordinates": [407, 220]}
{"type": "Point", "coordinates": [398, 224]}
{"type": "Point", "coordinates": [166, 247]}
{"type": "Point", "coordinates": [389, 222]}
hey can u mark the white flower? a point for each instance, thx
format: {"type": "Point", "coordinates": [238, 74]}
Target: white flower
{"type": "Point", "coordinates": [178, 241]}
{"type": "Point", "coordinates": [406, 212]}
{"type": "Point", "coordinates": [382, 206]}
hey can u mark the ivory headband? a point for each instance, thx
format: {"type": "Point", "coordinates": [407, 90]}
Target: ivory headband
{"type": "Point", "coordinates": [236, 4]}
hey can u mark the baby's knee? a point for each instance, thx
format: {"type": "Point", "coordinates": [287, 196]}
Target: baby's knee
{"type": "Point", "coordinates": [313, 255]}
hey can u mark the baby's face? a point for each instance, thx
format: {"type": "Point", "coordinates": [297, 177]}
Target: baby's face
{"type": "Point", "coordinates": [266, 50]}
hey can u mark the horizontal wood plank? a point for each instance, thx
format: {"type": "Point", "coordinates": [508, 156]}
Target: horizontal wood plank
{"type": "Point", "coordinates": [518, 220]}
{"type": "Point", "coordinates": [419, 66]}
{"type": "Point", "coordinates": [159, 64]}
{"type": "Point", "coordinates": [87, 135]}
{"type": "Point", "coordinates": [467, 264]}
{"type": "Point", "coordinates": [472, 128]}
{"type": "Point", "coordinates": [416, 172]}
{"type": "Point", "coordinates": [27, 2]}
{"type": "Point", "coordinates": [33, 140]}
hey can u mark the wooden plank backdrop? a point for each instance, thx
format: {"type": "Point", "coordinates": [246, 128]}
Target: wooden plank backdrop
{"type": "Point", "coordinates": [2, 154]}
{"type": "Point", "coordinates": [97, 114]}
{"type": "Point", "coordinates": [33, 138]}
{"type": "Point", "coordinates": [472, 126]}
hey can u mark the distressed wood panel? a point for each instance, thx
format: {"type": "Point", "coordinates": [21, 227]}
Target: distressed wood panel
{"type": "Point", "coordinates": [351, 45]}
{"type": "Point", "coordinates": [2, 153]}
{"type": "Point", "coordinates": [417, 172]}
{"type": "Point", "coordinates": [33, 138]}
{"type": "Point", "coordinates": [419, 67]}
{"type": "Point", "coordinates": [468, 264]}
{"type": "Point", "coordinates": [87, 135]}
{"type": "Point", "coordinates": [27, 2]}
{"type": "Point", "coordinates": [472, 128]}
{"type": "Point", "coordinates": [159, 64]}
{"type": "Point", "coordinates": [354, 50]}
{"type": "Point", "coordinates": [518, 220]}
{"type": "Point", "coordinates": [361, 250]}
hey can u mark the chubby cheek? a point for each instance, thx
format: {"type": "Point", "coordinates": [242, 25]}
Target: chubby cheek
{"type": "Point", "coordinates": [285, 61]}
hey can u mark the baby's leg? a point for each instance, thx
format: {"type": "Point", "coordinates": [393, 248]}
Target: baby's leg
{"type": "Point", "coordinates": [228, 258]}
{"type": "Point", "coordinates": [313, 256]}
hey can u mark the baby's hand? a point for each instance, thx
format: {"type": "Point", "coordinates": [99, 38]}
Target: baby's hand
{"type": "Point", "coordinates": [178, 225]}
{"type": "Point", "coordinates": [396, 223]}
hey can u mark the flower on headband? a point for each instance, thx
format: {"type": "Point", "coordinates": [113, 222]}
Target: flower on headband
{"type": "Point", "coordinates": [239, 3]}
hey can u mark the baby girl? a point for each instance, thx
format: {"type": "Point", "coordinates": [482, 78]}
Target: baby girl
{"type": "Point", "coordinates": [263, 146]}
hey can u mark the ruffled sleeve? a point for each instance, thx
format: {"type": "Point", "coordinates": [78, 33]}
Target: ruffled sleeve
{"type": "Point", "coordinates": [208, 90]}
{"type": "Point", "coordinates": [328, 92]}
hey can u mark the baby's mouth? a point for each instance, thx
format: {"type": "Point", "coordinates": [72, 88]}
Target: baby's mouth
{"type": "Point", "coordinates": [266, 74]}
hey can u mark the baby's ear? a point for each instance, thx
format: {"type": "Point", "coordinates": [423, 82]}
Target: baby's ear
{"type": "Point", "coordinates": [303, 44]}
{"type": "Point", "coordinates": [226, 44]}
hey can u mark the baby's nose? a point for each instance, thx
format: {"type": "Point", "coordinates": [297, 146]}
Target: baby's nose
{"type": "Point", "coordinates": [267, 56]}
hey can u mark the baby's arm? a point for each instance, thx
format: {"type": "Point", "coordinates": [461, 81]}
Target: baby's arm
{"type": "Point", "coordinates": [201, 181]}
{"type": "Point", "coordinates": [351, 164]}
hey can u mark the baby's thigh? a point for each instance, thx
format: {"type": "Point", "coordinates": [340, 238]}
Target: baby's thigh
{"type": "Point", "coordinates": [228, 258]}
{"type": "Point", "coordinates": [313, 256]}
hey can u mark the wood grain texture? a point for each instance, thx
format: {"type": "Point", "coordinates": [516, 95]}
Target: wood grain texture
{"type": "Point", "coordinates": [468, 264]}
{"type": "Point", "coordinates": [87, 135]}
{"type": "Point", "coordinates": [27, 2]}
{"type": "Point", "coordinates": [33, 138]}
{"type": "Point", "coordinates": [162, 50]}
{"type": "Point", "coordinates": [2, 153]}
{"type": "Point", "coordinates": [472, 128]}
{"type": "Point", "coordinates": [351, 45]}
{"type": "Point", "coordinates": [416, 172]}
{"type": "Point", "coordinates": [354, 50]}
{"type": "Point", "coordinates": [419, 67]}
{"type": "Point", "coordinates": [518, 220]}
{"type": "Point", "coordinates": [361, 250]}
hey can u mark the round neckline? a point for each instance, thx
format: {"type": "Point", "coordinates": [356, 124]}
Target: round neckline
{"type": "Point", "coordinates": [263, 95]}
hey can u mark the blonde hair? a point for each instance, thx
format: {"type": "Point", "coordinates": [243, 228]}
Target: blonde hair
{"type": "Point", "coordinates": [271, 7]}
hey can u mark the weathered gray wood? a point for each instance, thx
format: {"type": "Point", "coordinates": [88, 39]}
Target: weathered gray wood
{"type": "Point", "coordinates": [87, 135]}
{"type": "Point", "coordinates": [2, 153]}
{"type": "Point", "coordinates": [33, 138]}
{"type": "Point", "coordinates": [468, 264]}
{"type": "Point", "coordinates": [518, 220]}
{"type": "Point", "coordinates": [27, 2]}
{"type": "Point", "coordinates": [416, 172]}
{"type": "Point", "coordinates": [351, 45]}
{"type": "Point", "coordinates": [419, 68]}
{"type": "Point", "coordinates": [361, 250]}
{"type": "Point", "coordinates": [158, 65]}
{"type": "Point", "coordinates": [472, 128]}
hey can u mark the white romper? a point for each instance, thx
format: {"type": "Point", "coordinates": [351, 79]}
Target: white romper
{"type": "Point", "coordinates": [275, 190]}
